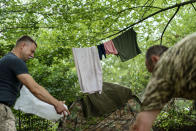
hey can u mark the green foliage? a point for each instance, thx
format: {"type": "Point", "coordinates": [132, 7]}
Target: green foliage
{"type": "Point", "coordinates": [5, 48]}
{"type": "Point", "coordinates": [59, 25]}
{"type": "Point", "coordinates": [177, 116]}
{"type": "Point", "coordinates": [132, 74]}
{"type": "Point", "coordinates": [32, 122]}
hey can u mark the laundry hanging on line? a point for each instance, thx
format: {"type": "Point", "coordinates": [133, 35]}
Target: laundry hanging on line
{"type": "Point", "coordinates": [126, 45]}
{"type": "Point", "coordinates": [89, 70]}
{"type": "Point", "coordinates": [110, 48]}
{"type": "Point", "coordinates": [101, 51]}
{"type": "Point", "coordinates": [87, 60]}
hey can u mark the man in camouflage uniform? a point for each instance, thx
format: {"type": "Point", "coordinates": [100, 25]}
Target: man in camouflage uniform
{"type": "Point", "coordinates": [173, 76]}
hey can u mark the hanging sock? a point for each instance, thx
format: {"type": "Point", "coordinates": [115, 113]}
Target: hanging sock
{"type": "Point", "coordinates": [110, 48]}
{"type": "Point", "coordinates": [89, 70]}
{"type": "Point", "coordinates": [101, 51]}
{"type": "Point", "coordinates": [126, 45]}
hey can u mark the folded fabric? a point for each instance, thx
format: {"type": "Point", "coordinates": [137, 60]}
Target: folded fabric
{"type": "Point", "coordinates": [28, 103]}
{"type": "Point", "coordinates": [89, 70]}
{"type": "Point", "coordinates": [126, 45]}
{"type": "Point", "coordinates": [110, 48]}
{"type": "Point", "coordinates": [101, 51]}
{"type": "Point", "coordinates": [113, 97]}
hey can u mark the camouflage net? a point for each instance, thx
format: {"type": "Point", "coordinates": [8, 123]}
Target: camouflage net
{"type": "Point", "coordinates": [119, 120]}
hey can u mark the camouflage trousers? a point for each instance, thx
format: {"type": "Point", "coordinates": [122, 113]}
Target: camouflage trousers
{"type": "Point", "coordinates": [7, 119]}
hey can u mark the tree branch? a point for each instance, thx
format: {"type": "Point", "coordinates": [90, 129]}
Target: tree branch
{"type": "Point", "coordinates": [177, 5]}
{"type": "Point", "coordinates": [11, 28]}
{"type": "Point", "coordinates": [193, 6]}
{"type": "Point", "coordinates": [166, 1]}
{"type": "Point", "coordinates": [147, 9]}
{"type": "Point", "coordinates": [145, 4]}
{"type": "Point", "coordinates": [139, 7]}
{"type": "Point", "coordinates": [168, 24]}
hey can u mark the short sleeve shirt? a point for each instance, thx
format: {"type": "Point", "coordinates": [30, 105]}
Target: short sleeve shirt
{"type": "Point", "coordinates": [174, 75]}
{"type": "Point", "coordinates": [10, 67]}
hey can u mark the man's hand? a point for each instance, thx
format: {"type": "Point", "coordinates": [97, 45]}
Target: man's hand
{"type": "Point", "coordinates": [41, 93]}
{"type": "Point", "coordinates": [60, 108]}
{"type": "Point", "coordinates": [144, 120]}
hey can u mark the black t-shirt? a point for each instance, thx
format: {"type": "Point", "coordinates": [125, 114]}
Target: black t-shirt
{"type": "Point", "coordinates": [10, 67]}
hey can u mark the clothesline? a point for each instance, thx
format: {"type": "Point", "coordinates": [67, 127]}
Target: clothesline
{"type": "Point", "coordinates": [124, 45]}
{"type": "Point", "coordinates": [87, 60]}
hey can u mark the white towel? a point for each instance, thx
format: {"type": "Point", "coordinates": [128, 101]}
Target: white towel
{"type": "Point", "coordinates": [88, 69]}
{"type": "Point", "coordinates": [28, 103]}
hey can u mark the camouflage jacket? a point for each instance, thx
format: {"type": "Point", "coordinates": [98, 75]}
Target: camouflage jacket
{"type": "Point", "coordinates": [174, 75]}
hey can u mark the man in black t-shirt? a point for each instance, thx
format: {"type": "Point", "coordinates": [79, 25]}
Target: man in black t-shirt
{"type": "Point", "coordinates": [13, 73]}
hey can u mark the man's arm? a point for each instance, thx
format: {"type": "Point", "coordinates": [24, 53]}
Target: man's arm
{"type": "Point", "coordinates": [145, 120]}
{"type": "Point", "coordinates": [41, 92]}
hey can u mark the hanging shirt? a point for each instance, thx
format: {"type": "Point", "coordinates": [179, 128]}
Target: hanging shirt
{"type": "Point", "coordinates": [126, 45]}
{"type": "Point", "coordinates": [101, 51]}
{"type": "Point", "coordinates": [110, 48]}
{"type": "Point", "coordinates": [88, 69]}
